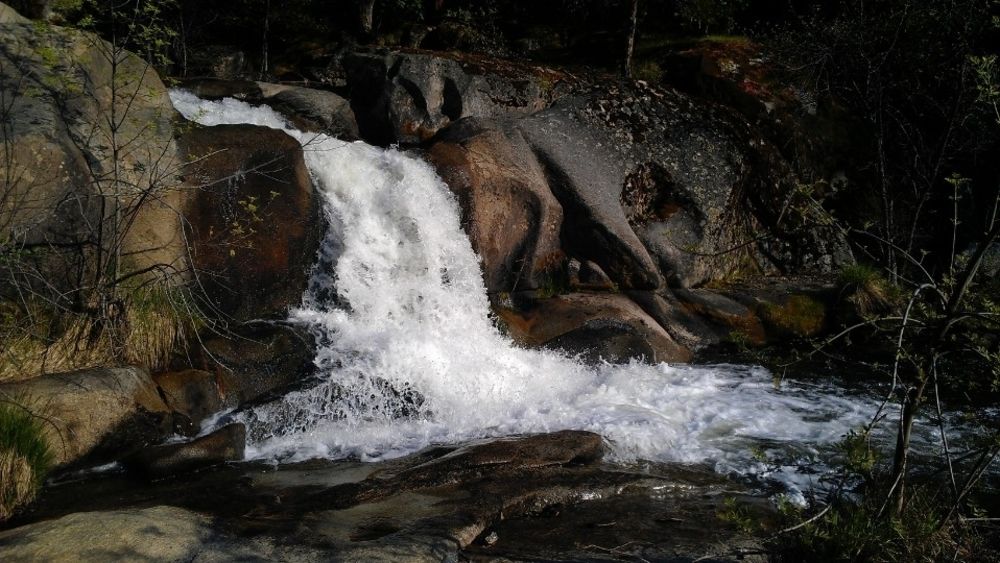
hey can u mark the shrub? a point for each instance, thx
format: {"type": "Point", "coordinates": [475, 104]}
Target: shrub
{"type": "Point", "coordinates": [25, 457]}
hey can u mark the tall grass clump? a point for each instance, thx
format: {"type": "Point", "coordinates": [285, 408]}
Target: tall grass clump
{"type": "Point", "coordinates": [865, 290]}
{"type": "Point", "coordinates": [25, 457]}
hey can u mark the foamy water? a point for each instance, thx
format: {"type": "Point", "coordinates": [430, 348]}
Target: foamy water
{"type": "Point", "coordinates": [409, 355]}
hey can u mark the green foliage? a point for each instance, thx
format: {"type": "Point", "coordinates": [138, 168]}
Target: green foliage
{"type": "Point", "coordinates": [147, 27]}
{"type": "Point", "coordinates": [853, 530]}
{"type": "Point", "coordinates": [25, 457]}
{"type": "Point", "coordinates": [737, 514]}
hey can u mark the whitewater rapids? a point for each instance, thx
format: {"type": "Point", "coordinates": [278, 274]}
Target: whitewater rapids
{"type": "Point", "coordinates": [409, 355]}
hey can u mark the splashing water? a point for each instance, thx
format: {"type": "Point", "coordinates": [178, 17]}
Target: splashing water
{"type": "Point", "coordinates": [408, 355]}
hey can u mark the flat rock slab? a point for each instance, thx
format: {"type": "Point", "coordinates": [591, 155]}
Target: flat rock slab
{"type": "Point", "coordinates": [437, 505]}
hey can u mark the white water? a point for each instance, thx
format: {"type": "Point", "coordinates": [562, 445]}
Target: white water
{"type": "Point", "coordinates": [410, 357]}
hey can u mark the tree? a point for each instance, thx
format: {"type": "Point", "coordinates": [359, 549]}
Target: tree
{"type": "Point", "coordinates": [633, 25]}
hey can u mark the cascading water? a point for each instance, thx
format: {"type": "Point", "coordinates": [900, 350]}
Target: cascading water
{"type": "Point", "coordinates": [409, 356]}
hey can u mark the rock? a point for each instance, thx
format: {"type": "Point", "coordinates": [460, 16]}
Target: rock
{"type": "Point", "coordinates": [255, 219]}
{"type": "Point", "coordinates": [94, 413]}
{"type": "Point", "coordinates": [195, 395]}
{"type": "Point", "coordinates": [724, 314]}
{"type": "Point", "coordinates": [313, 110]}
{"type": "Point", "coordinates": [9, 16]}
{"type": "Point", "coordinates": [216, 61]}
{"type": "Point", "coordinates": [221, 446]}
{"type": "Point", "coordinates": [408, 97]}
{"type": "Point", "coordinates": [511, 217]}
{"type": "Point", "coordinates": [160, 533]}
{"type": "Point", "coordinates": [60, 85]}
{"type": "Point", "coordinates": [586, 178]}
{"type": "Point", "coordinates": [788, 307]}
{"type": "Point", "coordinates": [606, 327]}
{"type": "Point", "coordinates": [590, 276]}
{"type": "Point", "coordinates": [261, 359]}
{"type": "Point", "coordinates": [436, 505]}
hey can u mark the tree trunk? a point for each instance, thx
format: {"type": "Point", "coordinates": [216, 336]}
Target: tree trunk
{"type": "Point", "coordinates": [366, 17]}
{"type": "Point", "coordinates": [633, 24]}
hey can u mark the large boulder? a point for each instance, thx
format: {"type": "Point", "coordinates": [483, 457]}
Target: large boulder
{"type": "Point", "coordinates": [309, 109]}
{"type": "Point", "coordinates": [255, 220]}
{"type": "Point", "coordinates": [407, 97]}
{"type": "Point", "coordinates": [96, 412]}
{"type": "Point", "coordinates": [69, 170]}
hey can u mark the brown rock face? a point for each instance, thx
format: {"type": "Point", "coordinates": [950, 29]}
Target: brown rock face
{"type": "Point", "coordinates": [512, 218]}
{"type": "Point", "coordinates": [254, 219]}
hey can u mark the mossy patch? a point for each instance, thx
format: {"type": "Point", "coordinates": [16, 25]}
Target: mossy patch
{"type": "Point", "coordinates": [799, 315]}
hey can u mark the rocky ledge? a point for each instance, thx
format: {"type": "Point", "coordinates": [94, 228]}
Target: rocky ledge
{"type": "Point", "coordinates": [548, 496]}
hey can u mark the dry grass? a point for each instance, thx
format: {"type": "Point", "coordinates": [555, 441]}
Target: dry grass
{"type": "Point", "coordinates": [157, 322]}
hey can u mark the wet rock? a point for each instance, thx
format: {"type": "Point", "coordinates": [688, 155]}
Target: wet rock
{"type": "Point", "coordinates": [221, 446]}
{"type": "Point", "coordinates": [408, 97]}
{"type": "Point", "coordinates": [607, 327]}
{"type": "Point", "coordinates": [511, 217]}
{"type": "Point", "coordinates": [313, 110]}
{"type": "Point", "coordinates": [94, 413]}
{"type": "Point", "coordinates": [254, 219]}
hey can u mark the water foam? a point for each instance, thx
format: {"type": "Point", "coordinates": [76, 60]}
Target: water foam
{"type": "Point", "coordinates": [409, 355]}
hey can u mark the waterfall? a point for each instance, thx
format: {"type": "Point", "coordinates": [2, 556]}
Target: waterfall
{"type": "Point", "coordinates": [409, 355]}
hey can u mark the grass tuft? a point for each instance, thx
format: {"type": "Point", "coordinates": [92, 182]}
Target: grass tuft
{"type": "Point", "coordinates": [25, 457]}
{"type": "Point", "coordinates": [865, 290]}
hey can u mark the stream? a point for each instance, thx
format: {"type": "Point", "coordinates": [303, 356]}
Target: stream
{"type": "Point", "coordinates": [409, 355]}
